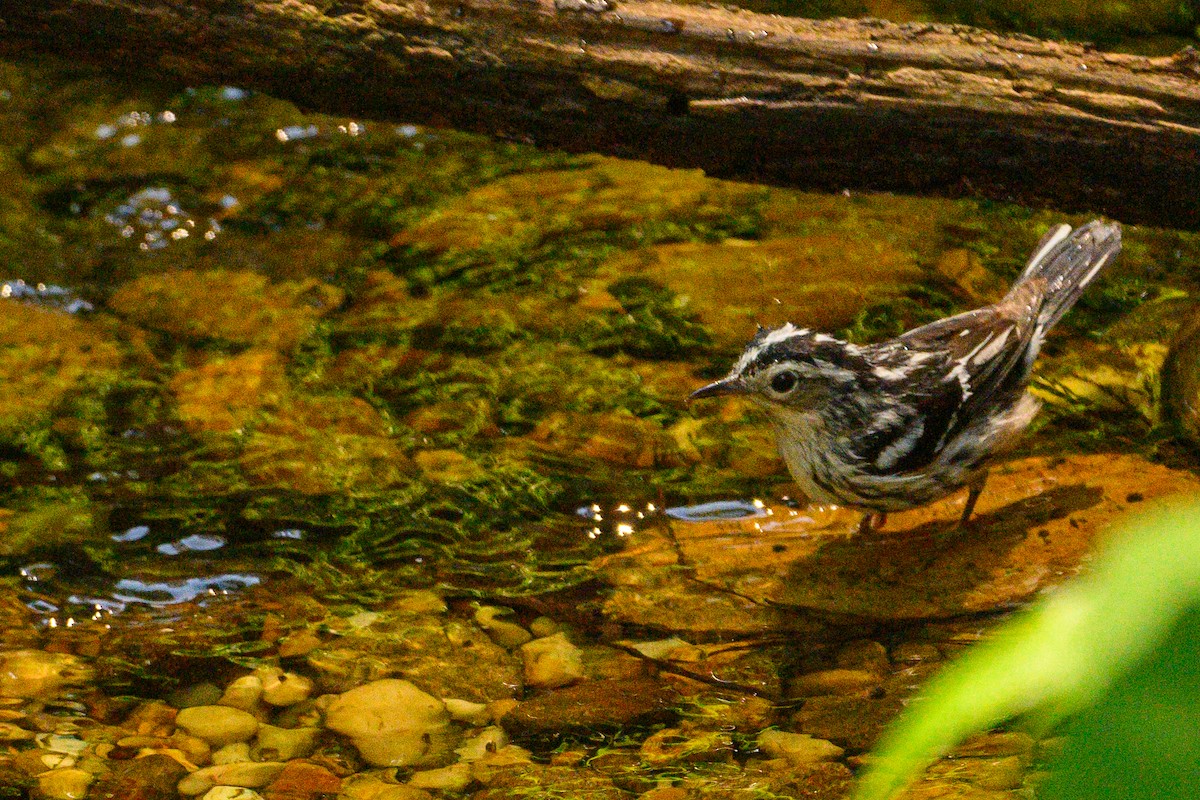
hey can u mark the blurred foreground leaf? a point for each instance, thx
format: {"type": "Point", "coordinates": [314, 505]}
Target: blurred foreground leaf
{"type": "Point", "coordinates": [1119, 646]}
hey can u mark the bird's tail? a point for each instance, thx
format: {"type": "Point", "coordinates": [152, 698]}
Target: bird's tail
{"type": "Point", "coordinates": [1066, 261]}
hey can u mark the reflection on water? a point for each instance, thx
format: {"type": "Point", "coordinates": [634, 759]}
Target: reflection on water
{"type": "Point", "coordinates": [163, 593]}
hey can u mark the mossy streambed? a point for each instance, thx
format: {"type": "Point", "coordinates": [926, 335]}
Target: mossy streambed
{"type": "Point", "coordinates": [343, 458]}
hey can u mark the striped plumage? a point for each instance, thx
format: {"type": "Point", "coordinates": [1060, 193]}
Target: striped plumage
{"type": "Point", "coordinates": [901, 423]}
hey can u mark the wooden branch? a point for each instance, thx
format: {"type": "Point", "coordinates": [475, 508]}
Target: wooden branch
{"type": "Point", "coordinates": [859, 104]}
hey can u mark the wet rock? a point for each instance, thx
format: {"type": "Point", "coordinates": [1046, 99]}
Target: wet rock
{"type": "Point", "coordinates": [153, 718]}
{"type": "Point", "coordinates": [915, 652]}
{"type": "Point", "coordinates": [489, 740]}
{"type": "Point", "coordinates": [854, 722]}
{"type": "Point", "coordinates": [233, 753]}
{"type": "Point", "coordinates": [370, 787]}
{"type": "Point", "coordinates": [466, 711]}
{"type": "Point", "coordinates": [284, 744]}
{"type": "Point", "coordinates": [200, 694]}
{"type": "Point", "coordinates": [393, 724]}
{"type": "Point", "coordinates": [797, 748]}
{"type": "Point", "coordinates": [284, 688]}
{"type": "Point", "coordinates": [240, 307]}
{"type": "Point", "coordinates": [297, 644]}
{"type": "Point", "coordinates": [10, 732]}
{"type": "Point", "coordinates": [832, 681]}
{"type": "Point", "coordinates": [552, 661]}
{"type": "Point", "coordinates": [453, 778]}
{"type": "Point", "coordinates": [243, 693]}
{"type": "Point", "coordinates": [152, 777]}
{"type": "Point", "coordinates": [618, 437]}
{"type": "Point", "coordinates": [64, 784]}
{"type": "Point", "coordinates": [247, 774]}
{"type": "Point", "coordinates": [594, 704]}
{"type": "Point", "coordinates": [300, 780]}
{"type": "Point", "coordinates": [1034, 524]}
{"type": "Point", "coordinates": [542, 627]}
{"type": "Point", "coordinates": [231, 793]}
{"type": "Point", "coordinates": [218, 725]}
{"type": "Point", "coordinates": [535, 778]}
{"type": "Point", "coordinates": [40, 675]}
{"type": "Point", "coordinates": [505, 633]}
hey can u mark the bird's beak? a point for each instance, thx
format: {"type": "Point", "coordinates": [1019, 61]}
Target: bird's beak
{"type": "Point", "coordinates": [730, 385]}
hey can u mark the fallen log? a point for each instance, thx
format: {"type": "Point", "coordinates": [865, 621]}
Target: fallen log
{"type": "Point", "coordinates": [827, 104]}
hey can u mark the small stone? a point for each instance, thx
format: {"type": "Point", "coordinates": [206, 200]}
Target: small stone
{"type": "Point", "coordinates": [552, 661]}
{"type": "Point", "coordinates": [244, 693]}
{"type": "Point", "coordinates": [303, 779]}
{"type": "Point", "coordinates": [232, 753]}
{"type": "Point", "coordinates": [218, 725]}
{"type": "Point", "coordinates": [196, 749]}
{"type": "Point", "coordinates": [248, 774]}
{"type": "Point", "coordinates": [369, 787]}
{"type": "Point", "coordinates": [284, 688]}
{"type": "Point", "coordinates": [284, 744]}
{"type": "Point", "coordinates": [505, 761]}
{"type": "Point", "coordinates": [153, 718]}
{"type": "Point", "coordinates": [489, 740]}
{"type": "Point", "coordinates": [199, 694]}
{"type": "Point", "coordinates": [797, 748]}
{"type": "Point", "coordinates": [231, 793]}
{"type": "Point", "coordinates": [392, 723]}
{"type": "Point", "coordinates": [466, 711]}
{"type": "Point", "coordinates": [508, 635]}
{"type": "Point", "coordinates": [64, 784]}
{"type": "Point", "coordinates": [543, 627]}
{"type": "Point", "coordinates": [454, 778]}
{"type": "Point", "coordinates": [864, 655]}
{"type": "Point", "coordinates": [300, 643]}
{"type": "Point", "coordinates": [595, 704]}
{"type": "Point", "coordinates": [832, 681]}
{"type": "Point", "coordinates": [151, 777]}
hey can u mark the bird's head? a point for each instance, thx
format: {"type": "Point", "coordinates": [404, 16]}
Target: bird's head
{"type": "Point", "coordinates": [787, 367]}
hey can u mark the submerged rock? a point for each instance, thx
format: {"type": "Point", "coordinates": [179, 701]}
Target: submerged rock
{"type": "Point", "coordinates": [393, 724]}
{"type": "Point", "coordinates": [594, 704]}
{"type": "Point", "coordinates": [39, 675]}
{"type": "Point", "coordinates": [1034, 525]}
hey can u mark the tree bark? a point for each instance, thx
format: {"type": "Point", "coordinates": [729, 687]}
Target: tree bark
{"type": "Point", "coordinates": [836, 104]}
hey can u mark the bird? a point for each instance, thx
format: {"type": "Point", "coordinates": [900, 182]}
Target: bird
{"type": "Point", "coordinates": [902, 423]}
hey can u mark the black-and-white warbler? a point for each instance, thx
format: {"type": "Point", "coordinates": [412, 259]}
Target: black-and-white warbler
{"type": "Point", "coordinates": [898, 424]}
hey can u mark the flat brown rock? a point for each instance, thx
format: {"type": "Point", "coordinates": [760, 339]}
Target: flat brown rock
{"type": "Point", "coordinates": [1033, 527]}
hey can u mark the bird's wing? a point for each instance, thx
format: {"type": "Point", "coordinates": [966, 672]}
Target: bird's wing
{"type": "Point", "coordinates": [948, 372]}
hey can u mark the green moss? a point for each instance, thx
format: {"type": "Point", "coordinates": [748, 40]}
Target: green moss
{"type": "Point", "coordinates": [654, 324]}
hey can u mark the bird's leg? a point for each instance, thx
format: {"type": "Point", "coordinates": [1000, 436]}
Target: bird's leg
{"type": "Point", "coordinates": [871, 522]}
{"type": "Point", "coordinates": [974, 489]}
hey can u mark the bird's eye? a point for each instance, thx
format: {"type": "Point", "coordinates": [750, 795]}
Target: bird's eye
{"type": "Point", "coordinates": [783, 382]}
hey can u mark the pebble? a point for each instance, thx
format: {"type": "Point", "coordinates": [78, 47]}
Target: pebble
{"type": "Point", "coordinates": [300, 643]}
{"type": "Point", "coordinates": [305, 779]}
{"type": "Point", "coordinates": [489, 740]}
{"type": "Point", "coordinates": [508, 635]}
{"type": "Point", "coordinates": [200, 694]}
{"type": "Point", "coordinates": [151, 777]}
{"type": "Point", "coordinates": [218, 725]}
{"type": "Point", "coordinates": [153, 718]}
{"type": "Point", "coordinates": [248, 774]}
{"type": "Point", "coordinates": [832, 681]}
{"type": "Point", "coordinates": [284, 744]}
{"type": "Point", "coordinates": [392, 723]}
{"type": "Point", "coordinates": [231, 793]}
{"type": "Point", "coordinates": [281, 688]}
{"type": "Point", "coordinates": [370, 787]}
{"type": "Point", "coordinates": [543, 627]}
{"type": "Point", "coordinates": [232, 753]}
{"type": "Point", "coordinates": [466, 711]}
{"type": "Point", "coordinates": [552, 661]}
{"type": "Point", "coordinates": [864, 654]}
{"type": "Point", "coordinates": [244, 693]}
{"type": "Point", "coordinates": [453, 778]}
{"type": "Point", "coordinates": [797, 748]}
{"type": "Point", "coordinates": [64, 784]}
